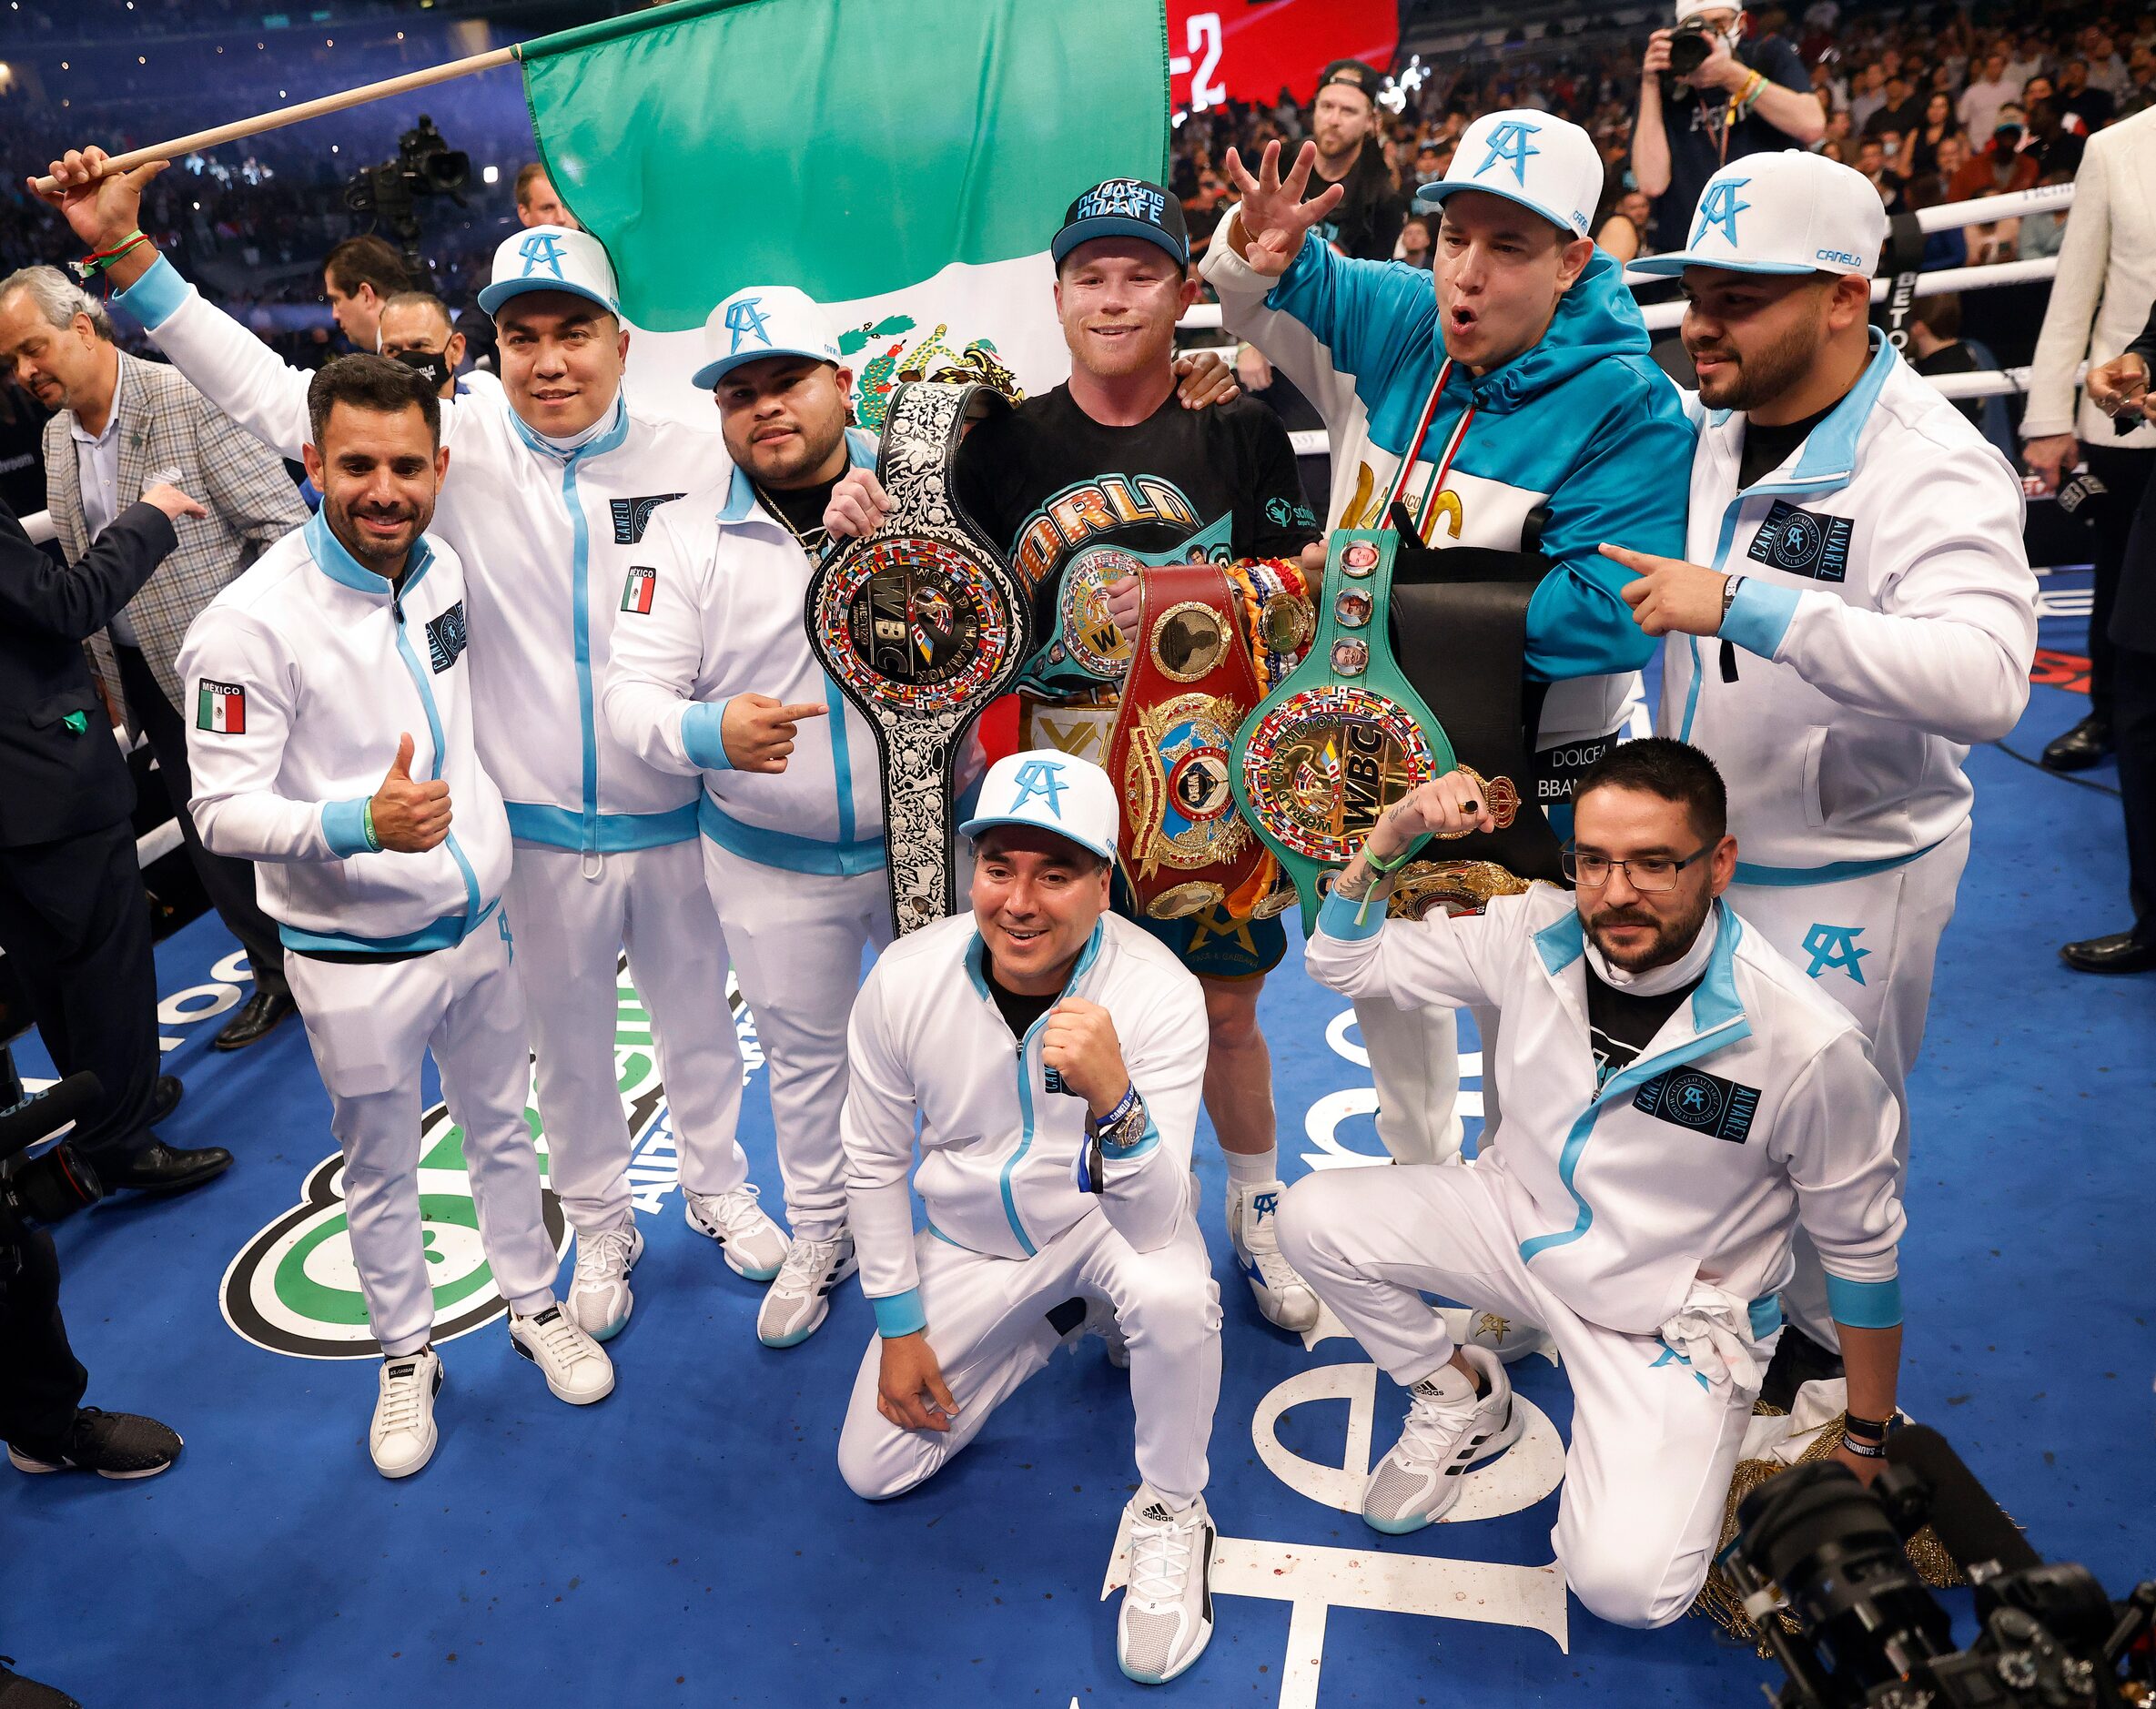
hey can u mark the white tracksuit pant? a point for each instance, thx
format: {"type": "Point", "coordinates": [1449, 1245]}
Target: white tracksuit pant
{"type": "Point", "coordinates": [1414, 1063]}
{"type": "Point", "coordinates": [1652, 1449]}
{"type": "Point", "coordinates": [569, 930]}
{"type": "Point", "coordinates": [796, 939]}
{"type": "Point", "coordinates": [1870, 944]}
{"type": "Point", "coordinates": [370, 1028]}
{"type": "Point", "coordinates": [989, 1327]}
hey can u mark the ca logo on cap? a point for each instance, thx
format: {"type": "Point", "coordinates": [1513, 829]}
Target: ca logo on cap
{"type": "Point", "coordinates": [542, 248]}
{"type": "Point", "coordinates": [1043, 778]}
{"type": "Point", "coordinates": [1508, 142]}
{"type": "Point", "coordinates": [1720, 207]}
{"type": "Point", "coordinates": [744, 320]}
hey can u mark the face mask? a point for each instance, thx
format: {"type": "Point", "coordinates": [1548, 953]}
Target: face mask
{"type": "Point", "coordinates": [432, 363]}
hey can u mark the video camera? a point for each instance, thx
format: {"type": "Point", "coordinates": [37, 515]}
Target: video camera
{"type": "Point", "coordinates": [1816, 1541]}
{"type": "Point", "coordinates": [425, 166]}
{"type": "Point", "coordinates": [51, 1187]}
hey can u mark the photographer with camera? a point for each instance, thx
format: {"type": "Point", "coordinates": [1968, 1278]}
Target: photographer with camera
{"type": "Point", "coordinates": [1708, 96]}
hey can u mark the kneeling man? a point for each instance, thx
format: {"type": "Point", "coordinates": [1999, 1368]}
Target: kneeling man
{"type": "Point", "coordinates": [1055, 1055]}
{"type": "Point", "coordinates": [1681, 1101]}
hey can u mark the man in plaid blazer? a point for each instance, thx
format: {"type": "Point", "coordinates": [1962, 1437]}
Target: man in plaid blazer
{"type": "Point", "coordinates": [119, 421]}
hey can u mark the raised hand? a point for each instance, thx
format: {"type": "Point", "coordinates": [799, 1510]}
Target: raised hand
{"type": "Point", "coordinates": [1079, 1043]}
{"type": "Point", "coordinates": [410, 817]}
{"type": "Point", "coordinates": [758, 731]}
{"type": "Point", "coordinates": [858, 505]}
{"type": "Point", "coordinates": [1275, 219]}
{"type": "Point", "coordinates": [1448, 806]}
{"type": "Point", "coordinates": [104, 210]}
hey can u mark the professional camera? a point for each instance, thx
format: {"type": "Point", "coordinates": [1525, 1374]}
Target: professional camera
{"type": "Point", "coordinates": [1813, 1540]}
{"type": "Point", "coordinates": [425, 166]}
{"type": "Point", "coordinates": [51, 1187]}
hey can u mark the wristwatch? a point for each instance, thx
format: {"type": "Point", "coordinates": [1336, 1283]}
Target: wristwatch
{"type": "Point", "coordinates": [1729, 587]}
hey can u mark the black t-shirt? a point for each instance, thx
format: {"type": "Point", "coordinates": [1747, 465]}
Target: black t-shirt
{"type": "Point", "coordinates": [1898, 119]}
{"type": "Point", "coordinates": [1366, 225]}
{"type": "Point", "coordinates": [1766, 448]}
{"type": "Point", "coordinates": [1693, 127]}
{"type": "Point", "coordinates": [1623, 1023]}
{"type": "Point", "coordinates": [1046, 482]}
{"type": "Point", "coordinates": [802, 509]}
{"type": "Point", "coordinates": [1020, 1012]}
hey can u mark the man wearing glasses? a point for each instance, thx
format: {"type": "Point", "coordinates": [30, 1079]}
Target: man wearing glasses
{"type": "Point", "coordinates": [1679, 1102]}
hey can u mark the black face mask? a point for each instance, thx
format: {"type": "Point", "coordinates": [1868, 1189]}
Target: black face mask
{"type": "Point", "coordinates": [433, 364]}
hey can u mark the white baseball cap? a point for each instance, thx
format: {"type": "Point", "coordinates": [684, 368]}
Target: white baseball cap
{"type": "Point", "coordinates": [551, 258]}
{"type": "Point", "coordinates": [760, 320]}
{"type": "Point", "coordinates": [1789, 212]}
{"type": "Point", "coordinates": [1051, 791]}
{"type": "Point", "coordinates": [1535, 159]}
{"type": "Point", "coordinates": [1691, 8]}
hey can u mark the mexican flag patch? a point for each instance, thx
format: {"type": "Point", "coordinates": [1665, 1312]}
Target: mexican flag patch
{"type": "Point", "coordinates": [221, 707]}
{"type": "Point", "coordinates": [636, 592]}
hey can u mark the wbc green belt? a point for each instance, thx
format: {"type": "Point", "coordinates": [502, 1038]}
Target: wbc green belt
{"type": "Point", "coordinates": [1345, 736]}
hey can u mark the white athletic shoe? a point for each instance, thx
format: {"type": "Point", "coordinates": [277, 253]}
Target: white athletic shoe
{"type": "Point", "coordinates": [1283, 1297]}
{"type": "Point", "coordinates": [1449, 1428]}
{"type": "Point", "coordinates": [800, 1299]}
{"type": "Point", "coordinates": [1167, 1617]}
{"type": "Point", "coordinates": [599, 1297]}
{"type": "Point", "coordinates": [402, 1437]}
{"type": "Point", "coordinates": [752, 1244]}
{"type": "Point", "coordinates": [576, 1368]}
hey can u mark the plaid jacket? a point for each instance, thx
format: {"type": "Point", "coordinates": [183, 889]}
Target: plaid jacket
{"type": "Point", "coordinates": [166, 423]}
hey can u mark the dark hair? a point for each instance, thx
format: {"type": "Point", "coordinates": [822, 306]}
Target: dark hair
{"type": "Point", "coordinates": [367, 260]}
{"type": "Point", "coordinates": [367, 382]}
{"type": "Point", "coordinates": [529, 173]}
{"type": "Point", "coordinates": [1668, 770]}
{"type": "Point", "coordinates": [1940, 314]}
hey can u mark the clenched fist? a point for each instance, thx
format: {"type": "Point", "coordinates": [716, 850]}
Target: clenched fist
{"type": "Point", "coordinates": [1078, 1041]}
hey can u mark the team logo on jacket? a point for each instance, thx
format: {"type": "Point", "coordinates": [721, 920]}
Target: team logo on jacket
{"type": "Point", "coordinates": [637, 592]}
{"type": "Point", "coordinates": [221, 707]}
{"type": "Point", "coordinates": [445, 638]}
{"type": "Point", "coordinates": [1802, 543]}
{"type": "Point", "coordinates": [632, 516]}
{"type": "Point", "coordinates": [1705, 1103]}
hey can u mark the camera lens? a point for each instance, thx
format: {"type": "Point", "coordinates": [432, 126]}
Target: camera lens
{"type": "Point", "coordinates": [1687, 52]}
{"type": "Point", "coordinates": [51, 1188]}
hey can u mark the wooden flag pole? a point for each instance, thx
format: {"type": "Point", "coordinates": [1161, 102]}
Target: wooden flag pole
{"type": "Point", "coordinates": [283, 116]}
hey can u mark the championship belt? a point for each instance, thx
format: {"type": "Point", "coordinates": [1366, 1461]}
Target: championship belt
{"type": "Point", "coordinates": [1346, 735]}
{"type": "Point", "coordinates": [1189, 686]}
{"type": "Point", "coordinates": [1083, 651]}
{"type": "Point", "coordinates": [921, 624]}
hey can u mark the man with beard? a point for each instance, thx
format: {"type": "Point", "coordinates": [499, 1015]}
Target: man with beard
{"type": "Point", "coordinates": [553, 481]}
{"type": "Point", "coordinates": [1366, 222]}
{"type": "Point", "coordinates": [1680, 1100]}
{"type": "Point", "coordinates": [332, 744]}
{"type": "Point", "coordinates": [1858, 611]}
{"type": "Point", "coordinates": [1104, 466]}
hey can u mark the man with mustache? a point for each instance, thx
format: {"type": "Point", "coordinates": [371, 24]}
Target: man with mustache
{"type": "Point", "coordinates": [332, 744]}
{"type": "Point", "coordinates": [554, 484]}
{"type": "Point", "coordinates": [1858, 608]}
{"type": "Point", "coordinates": [1680, 1100]}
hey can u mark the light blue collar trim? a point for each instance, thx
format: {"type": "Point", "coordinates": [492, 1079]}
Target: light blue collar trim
{"type": "Point", "coordinates": [741, 493]}
{"type": "Point", "coordinates": [977, 959]}
{"type": "Point", "coordinates": [1715, 1003]}
{"type": "Point", "coordinates": [602, 436]}
{"type": "Point", "coordinates": [1829, 454]}
{"type": "Point", "coordinates": [334, 561]}
{"type": "Point", "coordinates": [1562, 942]}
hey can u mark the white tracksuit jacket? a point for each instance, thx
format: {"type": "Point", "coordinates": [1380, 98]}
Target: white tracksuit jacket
{"type": "Point", "coordinates": [712, 607]}
{"type": "Point", "coordinates": [1886, 620]}
{"type": "Point", "coordinates": [305, 672]}
{"type": "Point", "coordinates": [999, 1151]}
{"type": "Point", "coordinates": [547, 538]}
{"type": "Point", "coordinates": [1755, 1108]}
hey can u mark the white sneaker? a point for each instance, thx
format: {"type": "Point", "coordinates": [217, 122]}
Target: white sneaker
{"type": "Point", "coordinates": [576, 1368]}
{"type": "Point", "coordinates": [800, 1299]}
{"type": "Point", "coordinates": [1167, 1617]}
{"type": "Point", "coordinates": [599, 1297]}
{"type": "Point", "coordinates": [1283, 1297]}
{"type": "Point", "coordinates": [752, 1244]}
{"type": "Point", "coordinates": [1449, 1428]}
{"type": "Point", "coordinates": [402, 1437]}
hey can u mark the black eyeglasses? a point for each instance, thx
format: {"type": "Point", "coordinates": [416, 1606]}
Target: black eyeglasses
{"type": "Point", "coordinates": [1647, 874]}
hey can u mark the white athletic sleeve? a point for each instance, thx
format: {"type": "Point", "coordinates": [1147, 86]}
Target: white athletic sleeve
{"type": "Point", "coordinates": [875, 1127]}
{"type": "Point", "coordinates": [1440, 962]}
{"type": "Point", "coordinates": [1949, 649]}
{"type": "Point", "coordinates": [1835, 1133]}
{"type": "Point", "coordinates": [650, 694]}
{"type": "Point", "coordinates": [1145, 1190]}
{"type": "Point", "coordinates": [230, 662]}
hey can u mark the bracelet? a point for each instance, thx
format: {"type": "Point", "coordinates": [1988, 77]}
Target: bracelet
{"type": "Point", "coordinates": [98, 260]}
{"type": "Point", "coordinates": [1862, 1449]}
{"type": "Point", "coordinates": [1122, 1107]}
{"type": "Point", "coordinates": [374, 842]}
{"type": "Point", "coordinates": [1377, 864]}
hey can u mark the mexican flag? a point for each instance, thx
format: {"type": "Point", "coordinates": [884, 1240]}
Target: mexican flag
{"type": "Point", "coordinates": [905, 162]}
{"type": "Point", "coordinates": [221, 707]}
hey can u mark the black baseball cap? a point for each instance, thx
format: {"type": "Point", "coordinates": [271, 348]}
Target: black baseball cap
{"type": "Point", "coordinates": [1124, 207]}
{"type": "Point", "coordinates": [1357, 75]}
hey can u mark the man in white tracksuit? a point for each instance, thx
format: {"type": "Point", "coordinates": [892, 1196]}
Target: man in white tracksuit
{"type": "Point", "coordinates": [713, 678]}
{"type": "Point", "coordinates": [552, 483]}
{"type": "Point", "coordinates": [1858, 607]}
{"type": "Point", "coordinates": [1680, 1099]}
{"type": "Point", "coordinates": [332, 744]}
{"type": "Point", "coordinates": [1054, 1056]}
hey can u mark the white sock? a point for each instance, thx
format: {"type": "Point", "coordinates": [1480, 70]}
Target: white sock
{"type": "Point", "coordinates": [1254, 1169]}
